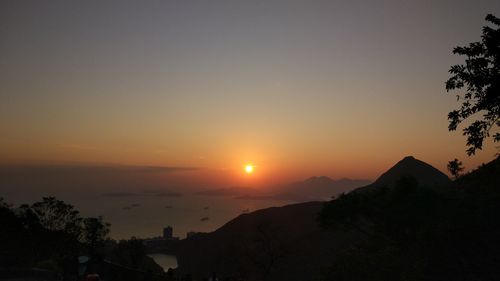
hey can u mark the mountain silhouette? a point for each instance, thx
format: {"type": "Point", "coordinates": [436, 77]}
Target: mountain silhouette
{"type": "Point", "coordinates": [425, 174]}
{"type": "Point", "coordinates": [319, 180]}
{"type": "Point", "coordinates": [278, 243]}
{"type": "Point", "coordinates": [286, 243]}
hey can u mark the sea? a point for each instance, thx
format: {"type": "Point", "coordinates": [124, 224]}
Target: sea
{"type": "Point", "coordinates": [147, 216]}
{"type": "Point", "coordinates": [137, 201]}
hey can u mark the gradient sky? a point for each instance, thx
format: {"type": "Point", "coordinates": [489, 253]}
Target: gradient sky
{"type": "Point", "coordinates": [299, 88]}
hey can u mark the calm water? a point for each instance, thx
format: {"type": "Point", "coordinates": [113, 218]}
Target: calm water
{"type": "Point", "coordinates": [136, 203]}
{"type": "Point", "coordinates": [145, 216]}
{"type": "Point", "coordinates": [182, 213]}
{"type": "Point", "coordinates": [165, 261]}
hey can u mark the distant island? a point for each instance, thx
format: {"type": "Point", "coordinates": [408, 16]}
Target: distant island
{"type": "Point", "coordinates": [313, 188]}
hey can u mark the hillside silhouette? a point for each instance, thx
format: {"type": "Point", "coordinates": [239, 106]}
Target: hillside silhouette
{"type": "Point", "coordinates": [425, 174]}
{"type": "Point", "coordinates": [288, 243]}
{"type": "Point", "coordinates": [416, 233]}
{"type": "Point", "coordinates": [398, 230]}
{"type": "Point", "coordinates": [279, 243]}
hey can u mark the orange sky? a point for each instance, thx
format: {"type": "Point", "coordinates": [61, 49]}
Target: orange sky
{"type": "Point", "coordinates": [298, 89]}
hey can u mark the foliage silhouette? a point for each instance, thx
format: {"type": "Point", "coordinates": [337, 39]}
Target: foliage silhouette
{"type": "Point", "coordinates": [480, 76]}
{"type": "Point", "coordinates": [55, 215]}
{"type": "Point", "coordinates": [417, 233]}
{"type": "Point", "coordinates": [455, 167]}
{"type": "Point", "coordinates": [95, 231]}
{"type": "Point", "coordinates": [51, 234]}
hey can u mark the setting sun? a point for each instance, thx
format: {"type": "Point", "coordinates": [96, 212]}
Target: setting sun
{"type": "Point", "coordinates": [249, 168]}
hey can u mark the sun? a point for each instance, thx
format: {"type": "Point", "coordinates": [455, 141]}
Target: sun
{"type": "Point", "coordinates": [249, 168]}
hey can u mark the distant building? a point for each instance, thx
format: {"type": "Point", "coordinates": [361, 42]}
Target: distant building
{"type": "Point", "coordinates": [161, 243]}
{"type": "Point", "coordinates": [167, 232]}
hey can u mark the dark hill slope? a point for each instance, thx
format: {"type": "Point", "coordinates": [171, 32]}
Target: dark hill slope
{"type": "Point", "coordinates": [450, 233]}
{"type": "Point", "coordinates": [286, 243]}
{"type": "Point", "coordinates": [425, 174]}
{"type": "Point", "coordinates": [486, 177]}
{"type": "Point", "coordinates": [281, 243]}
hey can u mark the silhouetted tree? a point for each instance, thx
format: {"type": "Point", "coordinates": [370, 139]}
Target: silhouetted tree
{"type": "Point", "coordinates": [95, 231]}
{"type": "Point", "coordinates": [14, 249]}
{"type": "Point", "coordinates": [415, 232]}
{"type": "Point", "coordinates": [130, 253]}
{"type": "Point", "coordinates": [54, 228]}
{"type": "Point", "coordinates": [455, 167]}
{"type": "Point", "coordinates": [268, 252]}
{"type": "Point", "coordinates": [3, 204]}
{"type": "Point", "coordinates": [56, 215]}
{"type": "Point", "coordinates": [50, 234]}
{"type": "Point", "coordinates": [394, 225]}
{"type": "Point", "coordinates": [480, 76]}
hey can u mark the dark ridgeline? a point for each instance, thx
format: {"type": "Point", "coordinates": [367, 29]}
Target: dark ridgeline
{"type": "Point", "coordinates": [388, 232]}
{"type": "Point", "coordinates": [418, 233]}
{"type": "Point", "coordinates": [424, 173]}
{"type": "Point", "coordinates": [253, 245]}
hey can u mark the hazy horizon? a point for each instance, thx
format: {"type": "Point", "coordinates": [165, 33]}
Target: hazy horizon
{"type": "Point", "coordinates": [140, 200]}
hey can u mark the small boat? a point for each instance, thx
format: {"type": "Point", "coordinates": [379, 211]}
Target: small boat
{"type": "Point", "coordinates": [204, 219]}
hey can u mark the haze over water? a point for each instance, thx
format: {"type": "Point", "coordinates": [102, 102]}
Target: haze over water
{"type": "Point", "coordinates": [131, 200]}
